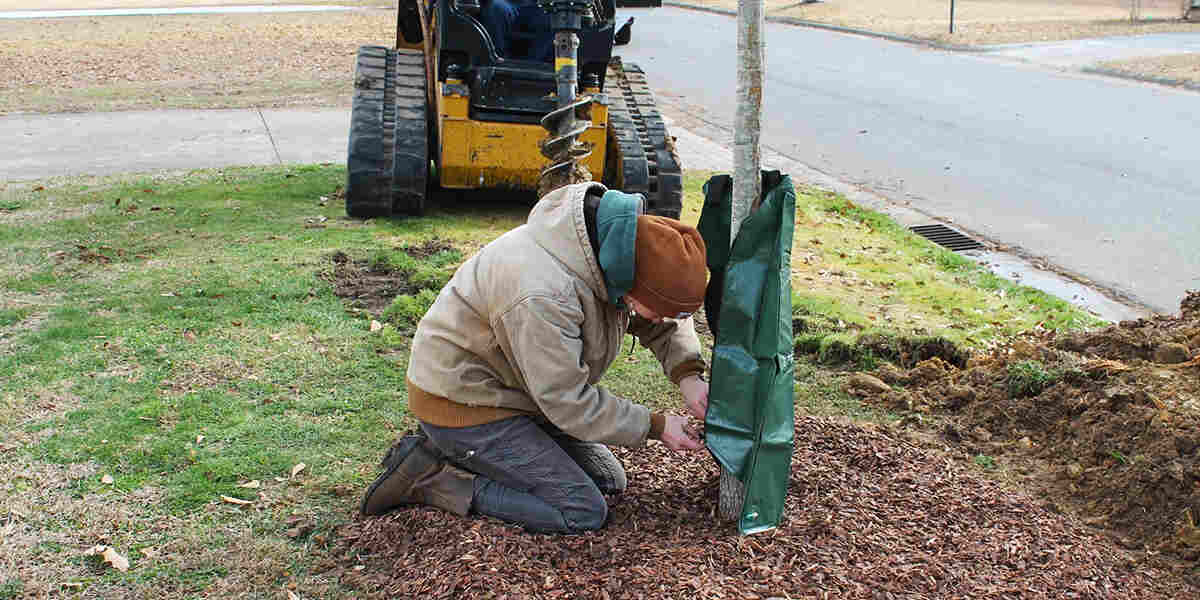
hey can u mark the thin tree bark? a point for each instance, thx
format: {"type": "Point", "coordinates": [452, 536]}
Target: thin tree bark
{"type": "Point", "coordinates": [747, 178]}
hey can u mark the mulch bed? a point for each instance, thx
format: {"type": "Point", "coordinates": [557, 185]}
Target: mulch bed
{"type": "Point", "coordinates": [868, 515]}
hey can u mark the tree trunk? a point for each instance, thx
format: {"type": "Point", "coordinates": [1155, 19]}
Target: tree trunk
{"type": "Point", "coordinates": [747, 178]}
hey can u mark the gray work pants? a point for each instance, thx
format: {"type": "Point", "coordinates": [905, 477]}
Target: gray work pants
{"type": "Point", "coordinates": [531, 473]}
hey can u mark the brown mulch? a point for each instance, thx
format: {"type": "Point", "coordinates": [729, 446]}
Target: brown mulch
{"type": "Point", "coordinates": [868, 515]}
{"type": "Point", "coordinates": [1115, 437]}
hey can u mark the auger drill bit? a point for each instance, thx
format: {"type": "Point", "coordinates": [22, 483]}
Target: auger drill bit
{"type": "Point", "coordinates": [562, 146]}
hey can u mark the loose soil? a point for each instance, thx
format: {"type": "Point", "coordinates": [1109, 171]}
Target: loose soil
{"type": "Point", "coordinates": [372, 287]}
{"type": "Point", "coordinates": [1114, 436]}
{"type": "Point", "coordinates": [366, 286]}
{"type": "Point", "coordinates": [868, 515]}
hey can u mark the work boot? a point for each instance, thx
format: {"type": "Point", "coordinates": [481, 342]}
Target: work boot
{"type": "Point", "coordinates": [415, 473]}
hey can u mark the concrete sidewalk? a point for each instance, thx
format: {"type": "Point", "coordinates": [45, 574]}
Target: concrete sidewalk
{"type": "Point", "coordinates": [108, 143]}
{"type": "Point", "coordinates": [140, 141]}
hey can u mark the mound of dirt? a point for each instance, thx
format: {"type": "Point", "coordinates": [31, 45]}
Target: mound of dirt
{"type": "Point", "coordinates": [1111, 418]}
{"type": "Point", "coordinates": [868, 515]}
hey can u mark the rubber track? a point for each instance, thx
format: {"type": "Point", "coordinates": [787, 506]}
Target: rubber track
{"type": "Point", "coordinates": [387, 160]}
{"type": "Point", "coordinates": [649, 162]}
{"type": "Point", "coordinates": [411, 158]}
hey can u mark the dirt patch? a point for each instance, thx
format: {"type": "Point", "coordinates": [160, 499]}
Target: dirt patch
{"type": "Point", "coordinates": [371, 285]}
{"type": "Point", "coordinates": [1109, 420]}
{"type": "Point", "coordinates": [867, 516]}
{"type": "Point", "coordinates": [365, 285]}
{"type": "Point", "coordinates": [427, 248]}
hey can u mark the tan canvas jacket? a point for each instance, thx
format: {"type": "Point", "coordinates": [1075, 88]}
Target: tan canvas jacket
{"type": "Point", "coordinates": [526, 324]}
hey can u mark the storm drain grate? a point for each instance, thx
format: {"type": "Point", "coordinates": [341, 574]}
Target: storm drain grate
{"type": "Point", "coordinates": [944, 236]}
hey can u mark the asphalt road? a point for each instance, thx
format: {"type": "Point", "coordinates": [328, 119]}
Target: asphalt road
{"type": "Point", "coordinates": [1098, 176]}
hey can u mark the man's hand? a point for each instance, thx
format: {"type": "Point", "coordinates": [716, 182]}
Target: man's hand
{"type": "Point", "coordinates": [678, 435]}
{"type": "Point", "coordinates": [695, 396]}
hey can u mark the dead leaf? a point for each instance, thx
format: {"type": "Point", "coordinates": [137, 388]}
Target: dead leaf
{"type": "Point", "coordinates": [375, 325]}
{"type": "Point", "coordinates": [107, 479]}
{"type": "Point", "coordinates": [199, 439]}
{"type": "Point", "coordinates": [237, 501]}
{"type": "Point", "coordinates": [148, 552]}
{"type": "Point", "coordinates": [252, 484]}
{"type": "Point", "coordinates": [293, 595]}
{"type": "Point", "coordinates": [296, 469]}
{"type": "Point", "coordinates": [110, 556]}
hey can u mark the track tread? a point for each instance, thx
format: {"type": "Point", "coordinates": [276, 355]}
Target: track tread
{"type": "Point", "coordinates": [649, 162]}
{"type": "Point", "coordinates": [387, 156]}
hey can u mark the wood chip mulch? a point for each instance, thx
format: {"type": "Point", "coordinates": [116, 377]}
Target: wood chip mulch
{"type": "Point", "coordinates": [867, 516]}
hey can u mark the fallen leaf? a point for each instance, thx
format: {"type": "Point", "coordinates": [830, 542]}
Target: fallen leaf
{"type": "Point", "coordinates": [293, 595]}
{"type": "Point", "coordinates": [199, 439]}
{"type": "Point", "coordinates": [39, 188]}
{"type": "Point", "coordinates": [148, 552]}
{"type": "Point", "coordinates": [110, 556]}
{"type": "Point", "coordinates": [252, 484]}
{"type": "Point", "coordinates": [296, 469]}
{"type": "Point", "coordinates": [107, 479]}
{"type": "Point", "coordinates": [237, 501]}
{"type": "Point", "coordinates": [375, 325]}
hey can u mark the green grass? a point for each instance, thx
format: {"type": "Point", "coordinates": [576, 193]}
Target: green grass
{"type": "Point", "coordinates": [1029, 378]}
{"type": "Point", "coordinates": [864, 275]}
{"type": "Point", "coordinates": [181, 334]}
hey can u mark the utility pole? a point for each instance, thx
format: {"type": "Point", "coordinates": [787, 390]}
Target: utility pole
{"type": "Point", "coordinates": [747, 173]}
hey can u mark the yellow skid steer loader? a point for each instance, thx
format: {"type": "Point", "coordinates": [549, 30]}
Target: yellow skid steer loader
{"type": "Point", "coordinates": [445, 108]}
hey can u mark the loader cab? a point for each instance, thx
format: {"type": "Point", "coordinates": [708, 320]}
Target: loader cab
{"type": "Point", "coordinates": [506, 88]}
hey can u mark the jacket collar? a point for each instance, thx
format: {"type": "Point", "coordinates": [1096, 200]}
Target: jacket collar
{"type": "Point", "coordinates": [557, 224]}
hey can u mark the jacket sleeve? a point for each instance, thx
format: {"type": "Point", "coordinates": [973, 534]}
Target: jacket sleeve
{"type": "Point", "coordinates": [542, 339]}
{"type": "Point", "coordinates": [673, 342]}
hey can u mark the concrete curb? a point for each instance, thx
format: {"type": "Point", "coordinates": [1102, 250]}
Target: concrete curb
{"type": "Point", "coordinates": [1175, 83]}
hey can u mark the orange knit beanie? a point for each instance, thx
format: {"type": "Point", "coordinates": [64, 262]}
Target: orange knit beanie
{"type": "Point", "coordinates": [669, 266]}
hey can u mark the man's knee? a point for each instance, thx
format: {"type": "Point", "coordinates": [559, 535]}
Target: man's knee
{"type": "Point", "coordinates": [591, 512]}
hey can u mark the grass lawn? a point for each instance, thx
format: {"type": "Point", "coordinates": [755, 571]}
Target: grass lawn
{"type": "Point", "coordinates": [200, 370]}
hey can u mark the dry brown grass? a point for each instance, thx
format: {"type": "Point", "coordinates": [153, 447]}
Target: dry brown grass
{"type": "Point", "coordinates": [1177, 67]}
{"type": "Point", "coordinates": [981, 22]}
{"type": "Point", "coordinates": [194, 61]}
